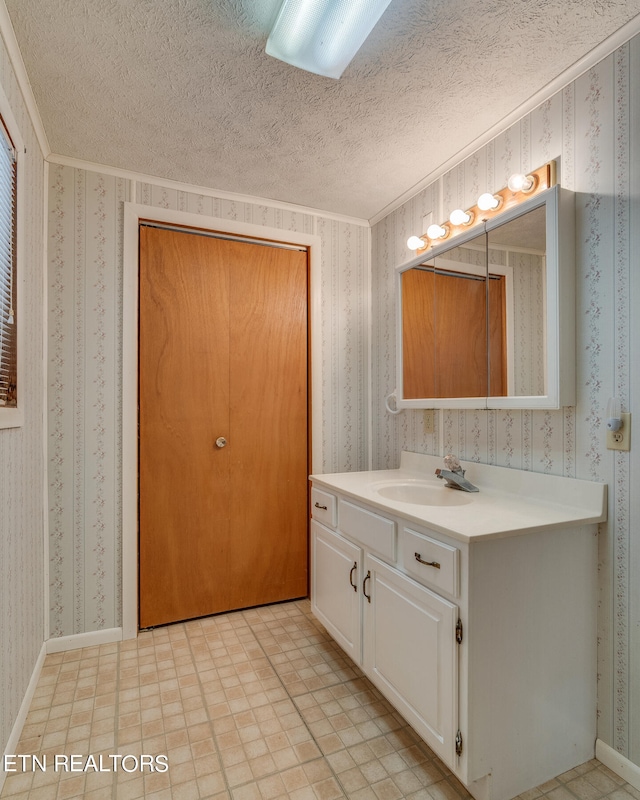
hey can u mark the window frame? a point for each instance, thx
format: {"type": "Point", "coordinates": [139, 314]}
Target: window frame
{"type": "Point", "coordinates": [13, 416]}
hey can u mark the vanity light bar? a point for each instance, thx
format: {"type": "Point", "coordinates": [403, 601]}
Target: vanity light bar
{"type": "Point", "coordinates": [519, 188]}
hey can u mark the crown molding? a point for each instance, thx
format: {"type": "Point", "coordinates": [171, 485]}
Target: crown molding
{"type": "Point", "coordinates": [205, 191]}
{"type": "Point", "coordinates": [601, 51]}
{"type": "Point", "coordinates": [15, 56]}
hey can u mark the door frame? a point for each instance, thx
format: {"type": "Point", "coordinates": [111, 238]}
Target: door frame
{"type": "Point", "coordinates": [134, 213]}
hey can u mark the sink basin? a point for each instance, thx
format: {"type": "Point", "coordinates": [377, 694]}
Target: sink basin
{"type": "Point", "coordinates": [422, 493]}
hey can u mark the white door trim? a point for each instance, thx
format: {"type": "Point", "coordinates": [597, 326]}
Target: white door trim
{"type": "Point", "coordinates": [133, 213]}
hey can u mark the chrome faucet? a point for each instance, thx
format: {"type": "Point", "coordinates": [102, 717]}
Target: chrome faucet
{"type": "Point", "coordinates": [454, 475]}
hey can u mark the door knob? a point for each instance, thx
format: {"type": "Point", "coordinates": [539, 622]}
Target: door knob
{"type": "Point", "coordinates": [221, 441]}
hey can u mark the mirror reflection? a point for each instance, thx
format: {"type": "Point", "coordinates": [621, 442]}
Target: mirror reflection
{"type": "Point", "coordinates": [436, 296]}
{"type": "Point", "coordinates": [473, 317]}
{"type": "Point", "coordinates": [520, 246]}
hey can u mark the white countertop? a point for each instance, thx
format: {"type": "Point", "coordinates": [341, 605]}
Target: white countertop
{"type": "Point", "coordinates": [510, 502]}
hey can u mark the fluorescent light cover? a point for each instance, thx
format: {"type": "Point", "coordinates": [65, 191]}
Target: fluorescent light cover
{"type": "Point", "coordinates": [322, 36]}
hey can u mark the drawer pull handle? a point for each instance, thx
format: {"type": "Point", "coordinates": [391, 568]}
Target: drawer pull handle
{"type": "Point", "coordinates": [324, 508]}
{"type": "Point", "coordinates": [364, 583]}
{"type": "Point", "coordinates": [435, 564]}
{"type": "Point", "coordinates": [353, 569]}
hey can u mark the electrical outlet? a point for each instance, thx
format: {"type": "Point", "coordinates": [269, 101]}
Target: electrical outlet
{"type": "Point", "coordinates": [620, 440]}
{"type": "Point", "coordinates": [428, 420]}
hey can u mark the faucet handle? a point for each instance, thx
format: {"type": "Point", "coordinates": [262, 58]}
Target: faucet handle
{"type": "Point", "coordinates": [452, 463]}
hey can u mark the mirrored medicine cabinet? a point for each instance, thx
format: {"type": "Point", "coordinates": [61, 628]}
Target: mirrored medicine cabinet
{"type": "Point", "coordinates": [486, 319]}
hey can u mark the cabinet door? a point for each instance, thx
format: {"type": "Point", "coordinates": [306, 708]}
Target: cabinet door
{"type": "Point", "coordinates": [336, 601]}
{"type": "Point", "coordinates": [410, 653]}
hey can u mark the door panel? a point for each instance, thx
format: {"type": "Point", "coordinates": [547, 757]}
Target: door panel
{"type": "Point", "coordinates": [223, 352]}
{"type": "Point", "coordinates": [184, 481]}
{"type": "Point", "coordinates": [268, 425]}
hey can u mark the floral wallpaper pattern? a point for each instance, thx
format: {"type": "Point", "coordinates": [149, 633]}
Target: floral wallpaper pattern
{"type": "Point", "coordinates": [85, 307]}
{"type": "Point", "coordinates": [21, 449]}
{"type": "Point", "coordinates": [592, 128]}
{"type": "Point", "coordinates": [85, 367]}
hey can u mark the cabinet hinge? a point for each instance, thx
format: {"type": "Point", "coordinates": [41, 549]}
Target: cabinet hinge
{"type": "Point", "coordinates": [458, 743]}
{"type": "Point", "coordinates": [459, 631]}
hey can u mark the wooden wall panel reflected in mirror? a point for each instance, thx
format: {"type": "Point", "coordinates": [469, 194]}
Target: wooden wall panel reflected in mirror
{"type": "Point", "coordinates": [461, 333]}
{"type": "Point", "coordinates": [418, 332]}
{"type": "Point", "coordinates": [440, 361]}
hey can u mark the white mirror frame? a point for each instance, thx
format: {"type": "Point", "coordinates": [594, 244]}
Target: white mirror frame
{"type": "Point", "coordinates": [560, 363]}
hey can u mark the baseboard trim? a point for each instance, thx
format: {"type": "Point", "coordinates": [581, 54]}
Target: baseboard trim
{"type": "Point", "coordinates": [18, 725]}
{"type": "Point", "coordinates": [617, 763]}
{"type": "Point", "coordinates": [61, 644]}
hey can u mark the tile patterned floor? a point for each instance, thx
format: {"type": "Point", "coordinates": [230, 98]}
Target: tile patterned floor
{"type": "Point", "coordinates": [254, 705]}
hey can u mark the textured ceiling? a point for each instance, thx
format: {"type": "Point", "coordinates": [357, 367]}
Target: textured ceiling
{"type": "Point", "coordinates": [182, 89]}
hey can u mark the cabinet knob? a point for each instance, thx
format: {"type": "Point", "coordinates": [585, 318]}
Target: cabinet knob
{"type": "Point", "coordinates": [221, 441]}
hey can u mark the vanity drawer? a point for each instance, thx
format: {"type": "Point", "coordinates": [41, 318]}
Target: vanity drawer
{"type": "Point", "coordinates": [369, 529]}
{"type": "Point", "coordinates": [323, 506]}
{"type": "Point", "coordinates": [445, 576]}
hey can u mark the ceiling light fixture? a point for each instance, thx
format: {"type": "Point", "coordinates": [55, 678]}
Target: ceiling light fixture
{"type": "Point", "coordinates": [322, 36]}
{"type": "Point", "coordinates": [520, 185]}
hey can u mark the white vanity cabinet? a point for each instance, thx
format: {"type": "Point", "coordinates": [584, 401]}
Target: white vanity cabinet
{"type": "Point", "coordinates": [386, 621]}
{"type": "Point", "coordinates": [485, 643]}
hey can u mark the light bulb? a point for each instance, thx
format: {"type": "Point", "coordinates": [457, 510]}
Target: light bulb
{"type": "Point", "coordinates": [519, 182]}
{"type": "Point", "coordinates": [437, 231]}
{"type": "Point", "coordinates": [489, 202]}
{"type": "Point", "coordinates": [415, 243]}
{"type": "Point", "coordinates": [460, 217]}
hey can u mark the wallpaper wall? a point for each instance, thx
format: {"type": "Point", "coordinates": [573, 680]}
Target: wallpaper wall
{"type": "Point", "coordinates": [85, 364]}
{"type": "Point", "coordinates": [21, 451]}
{"type": "Point", "coordinates": [593, 128]}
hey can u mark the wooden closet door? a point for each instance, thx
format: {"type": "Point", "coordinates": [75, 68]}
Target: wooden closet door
{"type": "Point", "coordinates": [223, 353]}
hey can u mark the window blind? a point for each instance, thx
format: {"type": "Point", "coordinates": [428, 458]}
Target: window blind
{"type": "Point", "coordinates": [8, 321]}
